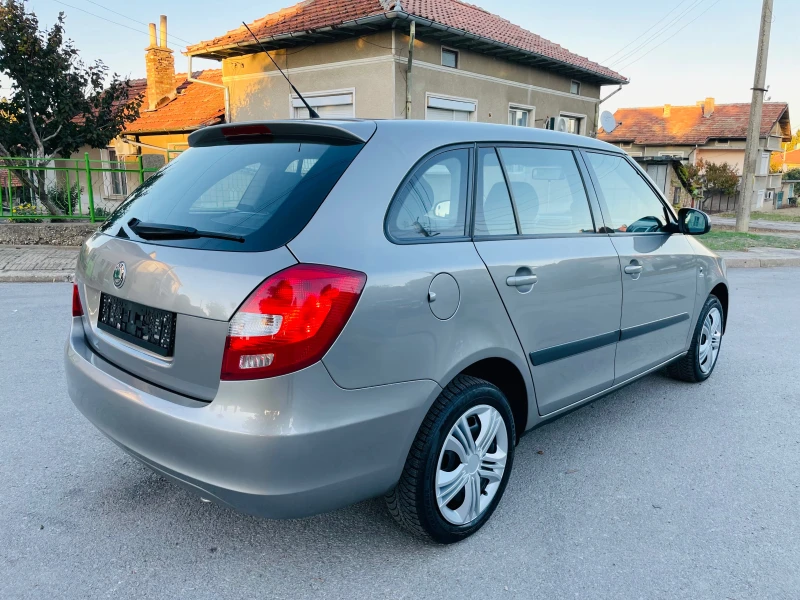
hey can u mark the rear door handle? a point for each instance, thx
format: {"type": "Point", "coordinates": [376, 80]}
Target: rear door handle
{"type": "Point", "coordinates": [521, 281]}
{"type": "Point", "coordinates": [633, 269]}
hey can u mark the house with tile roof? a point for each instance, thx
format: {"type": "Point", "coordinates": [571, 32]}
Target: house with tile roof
{"type": "Point", "coordinates": [354, 59]}
{"type": "Point", "coordinates": [172, 106]}
{"type": "Point", "coordinates": [713, 132]}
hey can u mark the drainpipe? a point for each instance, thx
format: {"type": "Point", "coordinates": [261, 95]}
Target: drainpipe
{"type": "Point", "coordinates": [597, 108]}
{"type": "Point", "coordinates": [411, 37]}
{"type": "Point", "coordinates": [216, 85]}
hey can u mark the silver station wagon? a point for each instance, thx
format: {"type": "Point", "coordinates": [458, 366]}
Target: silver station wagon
{"type": "Point", "coordinates": [297, 315]}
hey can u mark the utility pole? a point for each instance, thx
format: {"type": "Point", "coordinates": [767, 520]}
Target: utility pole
{"type": "Point", "coordinates": [754, 131]}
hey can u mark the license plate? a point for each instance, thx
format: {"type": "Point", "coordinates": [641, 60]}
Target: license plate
{"type": "Point", "coordinates": [149, 328]}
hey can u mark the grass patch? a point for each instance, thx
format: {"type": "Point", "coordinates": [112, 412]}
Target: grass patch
{"type": "Point", "coordinates": [731, 240]}
{"type": "Point", "coordinates": [768, 216]}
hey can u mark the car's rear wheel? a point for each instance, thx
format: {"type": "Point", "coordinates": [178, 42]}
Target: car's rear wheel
{"type": "Point", "coordinates": [459, 464]}
{"type": "Point", "coordinates": [698, 364]}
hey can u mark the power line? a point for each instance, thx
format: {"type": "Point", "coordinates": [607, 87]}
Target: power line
{"type": "Point", "coordinates": [169, 35]}
{"type": "Point", "coordinates": [104, 19]}
{"type": "Point", "coordinates": [645, 32]}
{"type": "Point", "coordinates": [672, 36]}
{"type": "Point", "coordinates": [658, 34]}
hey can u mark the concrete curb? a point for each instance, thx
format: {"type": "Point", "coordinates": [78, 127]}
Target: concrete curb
{"type": "Point", "coordinates": [36, 276]}
{"type": "Point", "coordinates": [764, 263]}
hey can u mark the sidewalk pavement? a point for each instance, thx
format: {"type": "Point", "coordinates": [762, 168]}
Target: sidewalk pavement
{"type": "Point", "coordinates": [37, 263]}
{"type": "Point", "coordinates": [787, 226]}
{"type": "Point", "coordinates": [50, 263]}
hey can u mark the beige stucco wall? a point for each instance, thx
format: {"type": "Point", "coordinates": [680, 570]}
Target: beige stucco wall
{"type": "Point", "coordinates": [374, 67]}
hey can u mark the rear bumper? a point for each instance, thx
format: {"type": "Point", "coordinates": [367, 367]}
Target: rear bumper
{"type": "Point", "coordinates": [286, 447]}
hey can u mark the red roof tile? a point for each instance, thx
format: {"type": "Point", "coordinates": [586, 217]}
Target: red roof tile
{"type": "Point", "coordinates": [196, 105]}
{"type": "Point", "coordinates": [686, 125]}
{"type": "Point", "coordinates": [314, 14]}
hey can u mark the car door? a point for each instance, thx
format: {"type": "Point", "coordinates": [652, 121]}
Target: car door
{"type": "Point", "coordinates": [659, 268]}
{"type": "Point", "coordinates": [558, 276]}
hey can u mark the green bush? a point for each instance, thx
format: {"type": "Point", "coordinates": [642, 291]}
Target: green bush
{"type": "Point", "coordinates": [67, 203]}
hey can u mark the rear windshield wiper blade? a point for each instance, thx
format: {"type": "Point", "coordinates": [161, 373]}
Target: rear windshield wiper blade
{"type": "Point", "coordinates": [159, 231]}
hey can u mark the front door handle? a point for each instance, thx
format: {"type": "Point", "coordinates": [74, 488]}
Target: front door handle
{"type": "Point", "coordinates": [521, 280]}
{"type": "Point", "coordinates": [633, 269]}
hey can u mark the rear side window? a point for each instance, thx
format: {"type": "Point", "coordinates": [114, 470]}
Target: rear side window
{"type": "Point", "coordinates": [628, 203]}
{"type": "Point", "coordinates": [493, 212]}
{"type": "Point", "coordinates": [432, 203]}
{"type": "Point", "coordinates": [265, 193]}
{"type": "Point", "coordinates": [547, 190]}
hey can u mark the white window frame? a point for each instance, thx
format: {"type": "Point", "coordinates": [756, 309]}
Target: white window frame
{"type": "Point", "coordinates": [725, 143]}
{"type": "Point", "coordinates": [580, 116]}
{"type": "Point", "coordinates": [765, 159]}
{"type": "Point", "coordinates": [578, 93]}
{"type": "Point", "coordinates": [454, 51]}
{"type": "Point", "coordinates": [473, 115]}
{"type": "Point", "coordinates": [633, 154]}
{"type": "Point", "coordinates": [531, 110]}
{"type": "Point", "coordinates": [680, 155]}
{"type": "Point", "coordinates": [108, 183]}
{"type": "Point", "coordinates": [314, 98]}
{"type": "Point", "coordinates": [623, 145]}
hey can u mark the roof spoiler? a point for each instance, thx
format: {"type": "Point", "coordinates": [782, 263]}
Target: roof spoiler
{"type": "Point", "coordinates": [265, 131]}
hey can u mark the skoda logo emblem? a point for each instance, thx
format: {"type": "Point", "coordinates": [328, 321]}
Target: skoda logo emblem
{"type": "Point", "coordinates": [119, 275]}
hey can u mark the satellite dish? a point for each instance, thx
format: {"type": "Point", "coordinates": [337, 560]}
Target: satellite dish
{"type": "Point", "coordinates": [608, 121]}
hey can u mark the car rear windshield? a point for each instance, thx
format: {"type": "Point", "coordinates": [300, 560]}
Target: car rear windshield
{"type": "Point", "coordinates": [263, 193]}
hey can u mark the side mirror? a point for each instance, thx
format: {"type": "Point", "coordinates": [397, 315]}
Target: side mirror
{"type": "Point", "coordinates": [693, 222]}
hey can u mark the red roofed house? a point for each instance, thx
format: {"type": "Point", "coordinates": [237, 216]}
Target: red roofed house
{"type": "Point", "coordinates": [351, 59]}
{"type": "Point", "coordinates": [172, 107]}
{"type": "Point", "coordinates": [709, 131]}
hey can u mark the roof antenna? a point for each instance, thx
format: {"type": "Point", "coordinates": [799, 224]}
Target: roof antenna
{"type": "Point", "coordinates": [311, 112]}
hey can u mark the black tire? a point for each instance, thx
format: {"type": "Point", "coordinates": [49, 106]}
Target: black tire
{"type": "Point", "coordinates": [412, 502]}
{"type": "Point", "coordinates": [687, 368]}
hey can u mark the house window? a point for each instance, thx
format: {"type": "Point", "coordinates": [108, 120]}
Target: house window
{"type": "Point", "coordinates": [574, 123]}
{"type": "Point", "coordinates": [117, 182]}
{"type": "Point", "coordinates": [329, 105]}
{"type": "Point", "coordinates": [575, 88]}
{"type": "Point", "coordinates": [623, 145]}
{"type": "Point", "coordinates": [723, 142]}
{"type": "Point", "coordinates": [520, 116]}
{"type": "Point", "coordinates": [449, 109]}
{"type": "Point", "coordinates": [449, 58]}
{"type": "Point", "coordinates": [671, 154]}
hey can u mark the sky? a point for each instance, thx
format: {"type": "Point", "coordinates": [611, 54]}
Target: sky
{"type": "Point", "coordinates": [686, 50]}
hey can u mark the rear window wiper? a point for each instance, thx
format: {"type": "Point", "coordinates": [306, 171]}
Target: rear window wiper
{"type": "Point", "coordinates": [160, 231]}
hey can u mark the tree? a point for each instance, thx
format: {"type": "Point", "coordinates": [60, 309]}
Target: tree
{"type": "Point", "coordinates": [707, 177]}
{"type": "Point", "coordinates": [57, 103]}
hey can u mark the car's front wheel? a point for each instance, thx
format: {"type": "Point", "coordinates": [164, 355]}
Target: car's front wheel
{"type": "Point", "coordinates": [697, 364]}
{"type": "Point", "coordinates": [459, 464]}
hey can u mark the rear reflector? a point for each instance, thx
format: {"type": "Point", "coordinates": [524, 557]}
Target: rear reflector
{"type": "Point", "coordinates": [290, 321]}
{"type": "Point", "coordinates": [77, 307]}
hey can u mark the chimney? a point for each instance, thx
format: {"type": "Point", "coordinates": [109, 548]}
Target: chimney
{"type": "Point", "coordinates": [708, 107]}
{"type": "Point", "coordinates": [667, 110]}
{"type": "Point", "coordinates": [160, 67]}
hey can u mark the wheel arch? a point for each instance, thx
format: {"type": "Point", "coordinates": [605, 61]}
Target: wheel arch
{"type": "Point", "coordinates": [509, 379]}
{"type": "Point", "coordinates": [721, 292]}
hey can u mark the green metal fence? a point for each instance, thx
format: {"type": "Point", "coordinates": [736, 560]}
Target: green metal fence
{"type": "Point", "coordinates": [82, 188]}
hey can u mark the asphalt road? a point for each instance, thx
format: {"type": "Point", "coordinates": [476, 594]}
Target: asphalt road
{"type": "Point", "coordinates": [661, 490]}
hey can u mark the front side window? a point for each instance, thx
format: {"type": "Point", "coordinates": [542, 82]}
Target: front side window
{"type": "Point", "coordinates": [493, 212]}
{"type": "Point", "coordinates": [629, 204]}
{"type": "Point", "coordinates": [432, 203]}
{"type": "Point", "coordinates": [547, 190]}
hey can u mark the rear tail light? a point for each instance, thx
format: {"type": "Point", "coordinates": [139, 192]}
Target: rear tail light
{"type": "Point", "coordinates": [290, 321]}
{"type": "Point", "coordinates": [77, 307]}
